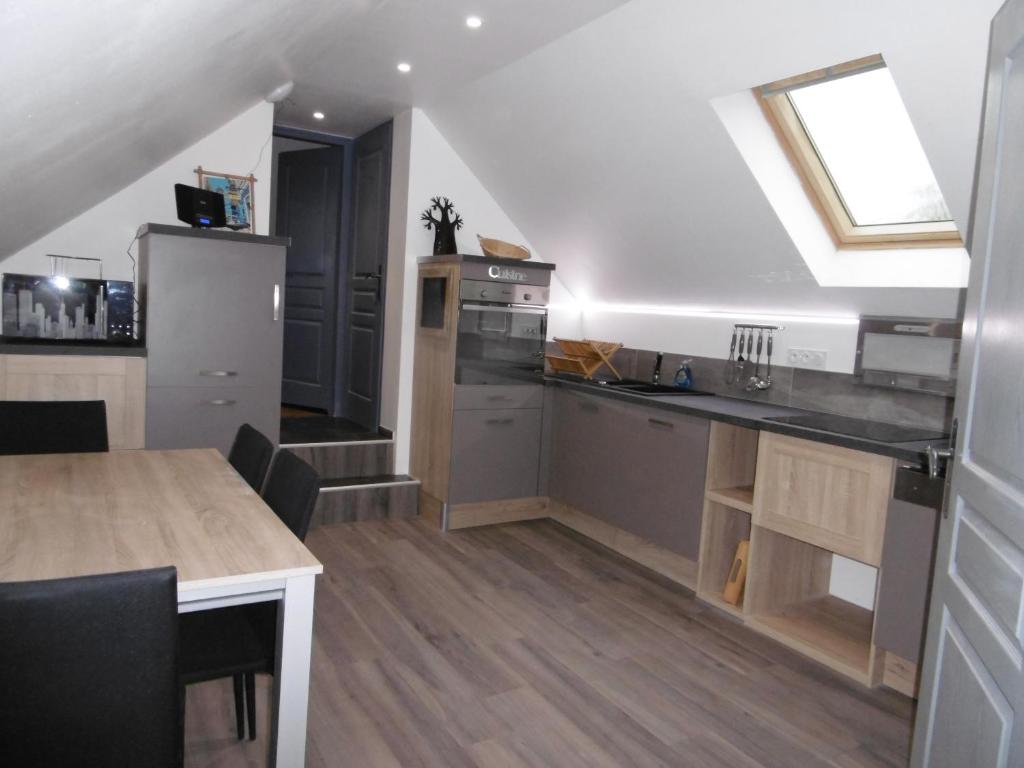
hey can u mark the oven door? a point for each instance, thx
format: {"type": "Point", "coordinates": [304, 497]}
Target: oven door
{"type": "Point", "coordinates": [500, 343]}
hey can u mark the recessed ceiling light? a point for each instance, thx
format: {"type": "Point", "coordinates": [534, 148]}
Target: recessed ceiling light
{"type": "Point", "coordinates": [318, 115]}
{"type": "Point", "coordinates": [474, 22]}
{"type": "Point", "coordinates": [404, 67]}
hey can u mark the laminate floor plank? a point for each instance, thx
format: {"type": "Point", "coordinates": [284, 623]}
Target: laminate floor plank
{"type": "Point", "coordinates": [527, 645]}
{"type": "Point", "coordinates": [601, 718]}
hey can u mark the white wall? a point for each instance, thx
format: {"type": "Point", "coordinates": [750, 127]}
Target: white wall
{"type": "Point", "coordinates": [606, 150]}
{"type": "Point", "coordinates": [105, 230]}
{"type": "Point", "coordinates": [423, 166]}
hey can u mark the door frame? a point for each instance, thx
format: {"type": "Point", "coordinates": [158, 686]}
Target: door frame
{"type": "Point", "coordinates": [344, 249]}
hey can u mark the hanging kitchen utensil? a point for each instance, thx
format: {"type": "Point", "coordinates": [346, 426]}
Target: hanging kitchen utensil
{"type": "Point", "coordinates": [729, 373]}
{"type": "Point", "coordinates": [750, 352]}
{"type": "Point", "coordinates": [767, 380]}
{"type": "Point", "coordinates": [755, 380]}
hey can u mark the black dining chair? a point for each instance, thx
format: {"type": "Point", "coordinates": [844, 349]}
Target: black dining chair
{"type": "Point", "coordinates": [291, 491]}
{"type": "Point", "coordinates": [89, 671]}
{"type": "Point", "coordinates": [53, 426]}
{"type": "Point", "coordinates": [241, 641]}
{"type": "Point", "coordinates": [250, 455]}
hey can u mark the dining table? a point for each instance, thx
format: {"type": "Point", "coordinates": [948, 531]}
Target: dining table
{"type": "Point", "coordinates": [76, 514]}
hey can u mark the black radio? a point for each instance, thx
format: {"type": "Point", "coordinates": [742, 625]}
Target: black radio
{"type": "Point", "coordinates": [199, 207]}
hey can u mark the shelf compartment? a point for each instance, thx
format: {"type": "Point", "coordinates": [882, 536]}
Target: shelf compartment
{"type": "Point", "coordinates": [723, 528]}
{"type": "Point", "coordinates": [741, 498]}
{"type": "Point", "coordinates": [787, 598]}
{"type": "Point", "coordinates": [829, 630]}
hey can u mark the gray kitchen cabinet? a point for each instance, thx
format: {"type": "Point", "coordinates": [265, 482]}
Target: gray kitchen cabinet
{"type": "Point", "coordinates": [580, 449]}
{"type": "Point", "coordinates": [481, 396]}
{"type": "Point", "coordinates": [198, 417]}
{"type": "Point", "coordinates": [495, 454]}
{"type": "Point", "coordinates": [213, 334]}
{"type": "Point", "coordinates": [638, 468]}
{"type": "Point", "coordinates": [904, 585]}
{"type": "Point", "coordinates": [660, 476]}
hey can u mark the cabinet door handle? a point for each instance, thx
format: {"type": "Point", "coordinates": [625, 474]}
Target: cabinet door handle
{"type": "Point", "coordinates": [221, 402]}
{"type": "Point", "coordinates": [498, 397]}
{"type": "Point", "coordinates": [660, 423]}
{"type": "Point", "coordinates": [499, 421]}
{"type": "Point", "coordinates": [277, 302]}
{"type": "Point", "coordinates": [218, 374]}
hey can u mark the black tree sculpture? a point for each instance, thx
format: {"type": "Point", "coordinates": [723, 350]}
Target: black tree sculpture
{"type": "Point", "coordinates": [444, 227]}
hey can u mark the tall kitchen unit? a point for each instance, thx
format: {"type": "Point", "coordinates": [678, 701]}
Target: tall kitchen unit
{"type": "Point", "coordinates": [478, 389]}
{"type": "Point", "coordinates": [213, 308]}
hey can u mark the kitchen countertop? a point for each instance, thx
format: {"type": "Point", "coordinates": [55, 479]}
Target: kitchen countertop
{"type": "Point", "coordinates": [71, 348]}
{"type": "Point", "coordinates": [457, 258]}
{"type": "Point", "coordinates": [753, 415]}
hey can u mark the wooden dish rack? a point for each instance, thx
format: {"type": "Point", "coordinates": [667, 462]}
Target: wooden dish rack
{"type": "Point", "coordinates": [583, 357]}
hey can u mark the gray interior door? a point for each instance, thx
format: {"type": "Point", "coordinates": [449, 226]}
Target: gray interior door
{"type": "Point", "coordinates": [971, 711]}
{"type": "Point", "coordinates": [309, 208]}
{"type": "Point", "coordinates": [365, 327]}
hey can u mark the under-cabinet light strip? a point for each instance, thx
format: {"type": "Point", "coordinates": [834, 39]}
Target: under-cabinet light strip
{"type": "Point", "coordinates": [682, 311]}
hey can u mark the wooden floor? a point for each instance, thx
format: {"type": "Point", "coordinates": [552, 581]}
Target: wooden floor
{"type": "Point", "coordinates": [527, 645]}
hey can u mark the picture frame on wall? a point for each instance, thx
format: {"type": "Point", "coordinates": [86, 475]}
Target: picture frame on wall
{"type": "Point", "coordinates": [238, 197]}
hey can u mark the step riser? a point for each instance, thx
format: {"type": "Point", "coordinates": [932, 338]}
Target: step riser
{"type": "Point", "coordinates": [350, 459]}
{"type": "Point", "coordinates": [387, 502]}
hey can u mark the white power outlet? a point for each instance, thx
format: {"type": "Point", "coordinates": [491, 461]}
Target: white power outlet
{"type": "Point", "coordinates": [807, 358]}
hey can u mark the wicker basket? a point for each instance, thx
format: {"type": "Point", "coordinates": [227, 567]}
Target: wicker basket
{"type": "Point", "coordinates": [499, 249]}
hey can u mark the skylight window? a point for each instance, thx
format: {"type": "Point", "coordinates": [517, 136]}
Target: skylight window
{"type": "Point", "coordinates": [850, 136]}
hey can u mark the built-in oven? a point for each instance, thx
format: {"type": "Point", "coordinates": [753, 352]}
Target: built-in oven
{"type": "Point", "coordinates": [502, 329]}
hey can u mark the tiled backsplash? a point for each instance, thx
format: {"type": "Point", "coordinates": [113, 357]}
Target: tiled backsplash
{"type": "Point", "coordinates": [796, 387]}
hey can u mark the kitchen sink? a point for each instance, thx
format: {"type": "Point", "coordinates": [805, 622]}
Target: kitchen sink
{"type": "Point", "coordinates": [648, 389]}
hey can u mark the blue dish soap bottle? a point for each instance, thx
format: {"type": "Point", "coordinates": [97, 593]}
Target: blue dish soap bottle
{"type": "Point", "coordinates": [684, 376]}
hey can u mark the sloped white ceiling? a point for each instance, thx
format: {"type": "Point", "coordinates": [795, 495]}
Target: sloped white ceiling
{"type": "Point", "coordinates": [604, 149]}
{"type": "Point", "coordinates": [95, 94]}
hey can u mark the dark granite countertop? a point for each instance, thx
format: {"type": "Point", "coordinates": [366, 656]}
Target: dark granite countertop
{"type": "Point", "coordinates": [753, 415]}
{"type": "Point", "coordinates": [70, 348]}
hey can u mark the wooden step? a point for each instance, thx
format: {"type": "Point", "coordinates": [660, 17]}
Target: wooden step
{"type": "Point", "coordinates": [370, 497]}
{"type": "Point", "coordinates": [348, 460]}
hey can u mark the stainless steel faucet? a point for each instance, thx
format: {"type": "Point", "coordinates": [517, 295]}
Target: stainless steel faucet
{"type": "Point", "coordinates": [657, 369]}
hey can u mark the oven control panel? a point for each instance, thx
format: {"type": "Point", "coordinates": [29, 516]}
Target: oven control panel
{"type": "Point", "coordinates": [504, 293]}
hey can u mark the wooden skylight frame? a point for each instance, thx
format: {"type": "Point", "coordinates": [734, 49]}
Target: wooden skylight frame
{"type": "Point", "coordinates": [821, 189]}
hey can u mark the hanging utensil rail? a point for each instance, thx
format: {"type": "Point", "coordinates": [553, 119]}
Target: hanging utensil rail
{"type": "Point", "coordinates": [752, 327]}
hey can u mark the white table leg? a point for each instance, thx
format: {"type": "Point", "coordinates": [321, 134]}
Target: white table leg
{"type": "Point", "coordinates": [291, 673]}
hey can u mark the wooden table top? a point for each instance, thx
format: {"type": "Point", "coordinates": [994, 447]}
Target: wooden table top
{"type": "Point", "coordinates": [84, 513]}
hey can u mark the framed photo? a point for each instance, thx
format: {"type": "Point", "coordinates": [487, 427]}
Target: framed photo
{"type": "Point", "coordinates": [238, 198]}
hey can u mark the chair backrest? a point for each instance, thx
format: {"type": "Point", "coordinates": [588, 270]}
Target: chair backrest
{"type": "Point", "coordinates": [291, 491]}
{"type": "Point", "coordinates": [53, 426]}
{"type": "Point", "coordinates": [250, 455]}
{"type": "Point", "coordinates": [89, 671]}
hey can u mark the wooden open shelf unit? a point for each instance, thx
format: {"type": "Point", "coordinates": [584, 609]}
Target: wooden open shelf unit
{"type": "Point", "coordinates": [728, 506]}
{"type": "Point", "coordinates": [786, 595]}
{"type": "Point", "coordinates": [788, 599]}
{"type": "Point", "coordinates": [723, 528]}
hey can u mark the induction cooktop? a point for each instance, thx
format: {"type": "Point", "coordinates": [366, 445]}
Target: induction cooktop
{"type": "Point", "coordinates": [870, 430]}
